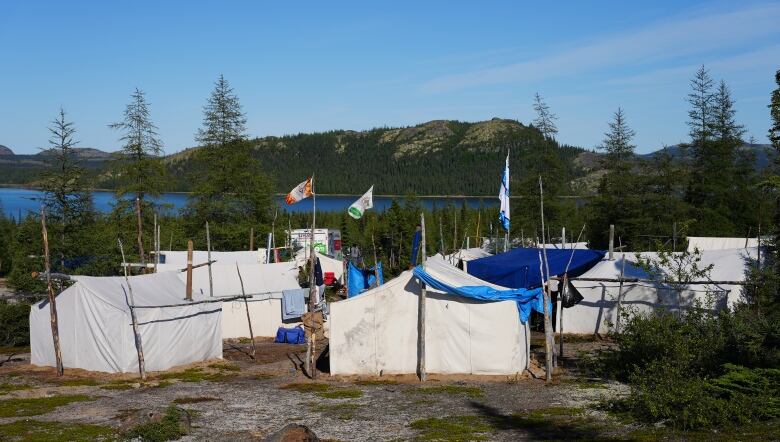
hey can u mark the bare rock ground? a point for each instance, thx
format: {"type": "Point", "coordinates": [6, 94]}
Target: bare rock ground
{"type": "Point", "coordinates": [241, 399]}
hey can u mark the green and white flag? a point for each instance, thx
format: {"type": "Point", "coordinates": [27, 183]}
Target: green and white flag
{"type": "Point", "coordinates": [365, 202]}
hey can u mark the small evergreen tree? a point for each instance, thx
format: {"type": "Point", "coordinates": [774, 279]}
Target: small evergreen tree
{"type": "Point", "coordinates": [139, 166]}
{"type": "Point", "coordinates": [223, 120]}
{"type": "Point", "coordinates": [700, 115]}
{"type": "Point", "coordinates": [68, 203]}
{"type": "Point", "coordinates": [545, 119]}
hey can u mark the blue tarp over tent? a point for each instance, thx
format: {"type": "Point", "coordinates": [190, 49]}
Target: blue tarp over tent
{"type": "Point", "coordinates": [360, 280]}
{"type": "Point", "coordinates": [519, 268]}
{"type": "Point", "coordinates": [526, 300]}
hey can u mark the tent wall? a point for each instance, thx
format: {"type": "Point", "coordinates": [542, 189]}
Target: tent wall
{"type": "Point", "coordinates": [376, 333]}
{"type": "Point", "coordinates": [719, 243]}
{"type": "Point", "coordinates": [599, 305]}
{"type": "Point", "coordinates": [266, 314]}
{"type": "Point", "coordinates": [96, 331]}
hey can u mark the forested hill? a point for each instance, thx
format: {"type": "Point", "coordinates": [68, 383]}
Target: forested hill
{"type": "Point", "coordinates": [434, 158]}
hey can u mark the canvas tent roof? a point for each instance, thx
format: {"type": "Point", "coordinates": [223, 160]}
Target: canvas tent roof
{"type": "Point", "coordinates": [719, 243]}
{"type": "Point", "coordinates": [467, 255]}
{"type": "Point", "coordinates": [327, 263]}
{"type": "Point", "coordinates": [376, 332]}
{"type": "Point", "coordinates": [179, 257]}
{"type": "Point", "coordinates": [519, 268]}
{"type": "Point", "coordinates": [96, 332]}
{"type": "Point", "coordinates": [599, 306]}
{"type": "Point", "coordinates": [264, 282]}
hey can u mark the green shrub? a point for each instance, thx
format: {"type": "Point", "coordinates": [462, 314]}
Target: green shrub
{"type": "Point", "coordinates": [14, 323]}
{"type": "Point", "coordinates": [169, 428]}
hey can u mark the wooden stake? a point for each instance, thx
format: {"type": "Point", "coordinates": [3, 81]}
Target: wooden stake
{"type": "Point", "coordinates": [549, 339]}
{"type": "Point", "coordinates": [55, 329]}
{"type": "Point", "coordinates": [479, 234]}
{"type": "Point", "coordinates": [208, 251]}
{"type": "Point", "coordinates": [376, 263]}
{"type": "Point", "coordinates": [620, 294]}
{"type": "Point", "coordinates": [311, 367]}
{"type": "Point", "coordinates": [140, 229]}
{"type": "Point", "coordinates": [251, 238]}
{"type": "Point", "coordinates": [159, 246]}
{"type": "Point", "coordinates": [188, 294]}
{"type": "Point", "coordinates": [421, 312]}
{"type": "Point", "coordinates": [131, 303]}
{"type": "Point", "coordinates": [154, 245]}
{"type": "Point", "coordinates": [246, 306]}
{"type": "Point", "coordinates": [611, 242]}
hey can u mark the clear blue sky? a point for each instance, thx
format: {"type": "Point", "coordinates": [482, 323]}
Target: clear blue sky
{"type": "Point", "coordinates": [314, 66]}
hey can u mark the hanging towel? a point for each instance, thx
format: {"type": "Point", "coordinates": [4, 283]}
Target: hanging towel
{"type": "Point", "coordinates": [293, 303]}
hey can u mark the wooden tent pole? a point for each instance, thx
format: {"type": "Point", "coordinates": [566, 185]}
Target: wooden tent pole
{"type": "Point", "coordinates": [421, 311]}
{"type": "Point", "coordinates": [55, 329]}
{"type": "Point", "coordinates": [246, 306]}
{"type": "Point", "coordinates": [208, 251]}
{"type": "Point", "coordinates": [188, 294]}
{"type": "Point", "coordinates": [131, 303]}
{"type": "Point", "coordinates": [620, 294]}
{"type": "Point", "coordinates": [140, 229]}
{"type": "Point", "coordinates": [251, 238]}
{"type": "Point", "coordinates": [311, 366]}
{"type": "Point", "coordinates": [549, 339]}
{"type": "Point", "coordinates": [376, 263]}
{"type": "Point", "coordinates": [154, 233]}
{"type": "Point", "coordinates": [611, 242]}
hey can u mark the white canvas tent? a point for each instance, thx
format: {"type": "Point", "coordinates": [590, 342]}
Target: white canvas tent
{"type": "Point", "coordinates": [599, 307]}
{"type": "Point", "coordinates": [376, 332]}
{"type": "Point", "coordinates": [461, 258]}
{"type": "Point", "coordinates": [179, 258]}
{"type": "Point", "coordinates": [719, 243]}
{"type": "Point", "coordinates": [264, 282]}
{"type": "Point", "coordinates": [327, 263]}
{"type": "Point", "coordinates": [96, 331]}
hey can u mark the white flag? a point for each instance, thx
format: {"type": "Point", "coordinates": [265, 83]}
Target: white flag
{"type": "Point", "coordinates": [503, 196]}
{"type": "Point", "coordinates": [365, 202]}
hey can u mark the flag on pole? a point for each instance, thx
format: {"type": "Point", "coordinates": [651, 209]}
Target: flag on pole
{"type": "Point", "coordinates": [365, 202]}
{"type": "Point", "coordinates": [503, 196]}
{"type": "Point", "coordinates": [301, 191]}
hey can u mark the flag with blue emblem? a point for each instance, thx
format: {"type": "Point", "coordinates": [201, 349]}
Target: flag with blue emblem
{"type": "Point", "coordinates": [503, 196]}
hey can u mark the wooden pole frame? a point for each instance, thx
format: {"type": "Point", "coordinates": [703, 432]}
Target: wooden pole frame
{"type": "Point", "coordinates": [131, 304]}
{"type": "Point", "coordinates": [421, 311]}
{"type": "Point", "coordinates": [140, 237]}
{"type": "Point", "coordinates": [188, 293]}
{"type": "Point", "coordinates": [248, 317]}
{"type": "Point", "coordinates": [208, 259]}
{"type": "Point", "coordinates": [311, 367]}
{"type": "Point", "coordinates": [549, 338]}
{"type": "Point", "coordinates": [55, 329]}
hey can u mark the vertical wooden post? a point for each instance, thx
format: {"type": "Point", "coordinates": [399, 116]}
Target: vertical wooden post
{"type": "Point", "coordinates": [479, 234]}
{"type": "Point", "coordinates": [549, 339]}
{"type": "Point", "coordinates": [188, 295]}
{"type": "Point", "coordinates": [159, 246]}
{"type": "Point", "coordinates": [140, 230]}
{"type": "Point", "coordinates": [246, 306]}
{"type": "Point", "coordinates": [674, 237]}
{"type": "Point", "coordinates": [311, 357]}
{"type": "Point", "coordinates": [208, 257]}
{"type": "Point", "coordinates": [611, 242]}
{"type": "Point", "coordinates": [251, 238]}
{"type": "Point", "coordinates": [441, 237]}
{"type": "Point", "coordinates": [421, 312]}
{"type": "Point", "coordinates": [55, 329]}
{"type": "Point", "coordinates": [561, 293]}
{"type": "Point", "coordinates": [131, 304]}
{"type": "Point", "coordinates": [154, 241]}
{"type": "Point", "coordinates": [376, 263]}
{"type": "Point", "coordinates": [620, 294]}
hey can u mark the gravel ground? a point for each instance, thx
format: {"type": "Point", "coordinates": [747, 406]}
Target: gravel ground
{"type": "Point", "coordinates": [251, 403]}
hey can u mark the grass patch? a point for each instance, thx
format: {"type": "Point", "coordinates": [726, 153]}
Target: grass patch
{"type": "Point", "coordinates": [452, 428]}
{"type": "Point", "coordinates": [196, 375]}
{"type": "Point", "coordinates": [224, 366]}
{"type": "Point", "coordinates": [78, 382]}
{"type": "Point", "coordinates": [373, 382]}
{"type": "Point", "coordinates": [31, 430]}
{"type": "Point", "coordinates": [36, 406]}
{"type": "Point", "coordinates": [163, 384]}
{"type": "Point", "coordinates": [264, 376]}
{"type": "Point", "coordinates": [454, 390]}
{"type": "Point", "coordinates": [6, 388]}
{"type": "Point", "coordinates": [306, 387]}
{"type": "Point", "coordinates": [168, 428]}
{"type": "Point", "coordinates": [584, 383]}
{"type": "Point", "coordinates": [195, 400]}
{"type": "Point", "coordinates": [343, 411]}
{"type": "Point", "coordinates": [341, 393]}
{"type": "Point", "coordinates": [758, 431]}
{"type": "Point", "coordinates": [7, 350]}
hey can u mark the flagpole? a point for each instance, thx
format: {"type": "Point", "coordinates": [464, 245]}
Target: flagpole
{"type": "Point", "coordinates": [311, 367]}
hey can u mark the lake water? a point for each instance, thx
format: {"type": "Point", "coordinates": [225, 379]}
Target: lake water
{"type": "Point", "coordinates": [17, 202]}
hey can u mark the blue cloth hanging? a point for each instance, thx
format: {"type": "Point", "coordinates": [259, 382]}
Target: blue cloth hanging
{"type": "Point", "coordinates": [360, 280]}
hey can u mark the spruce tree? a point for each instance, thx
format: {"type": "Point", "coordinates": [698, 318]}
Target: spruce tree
{"type": "Point", "coordinates": [617, 143]}
{"type": "Point", "coordinates": [66, 199]}
{"type": "Point", "coordinates": [700, 115]}
{"type": "Point", "coordinates": [545, 119]}
{"type": "Point", "coordinates": [223, 119]}
{"type": "Point", "coordinates": [140, 168]}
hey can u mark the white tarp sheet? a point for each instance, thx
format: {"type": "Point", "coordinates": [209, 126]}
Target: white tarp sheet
{"type": "Point", "coordinates": [376, 332]}
{"type": "Point", "coordinates": [599, 307]}
{"type": "Point", "coordinates": [96, 331]}
{"type": "Point", "coordinates": [461, 258]}
{"type": "Point", "coordinates": [264, 282]}
{"type": "Point", "coordinates": [179, 257]}
{"type": "Point", "coordinates": [719, 243]}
